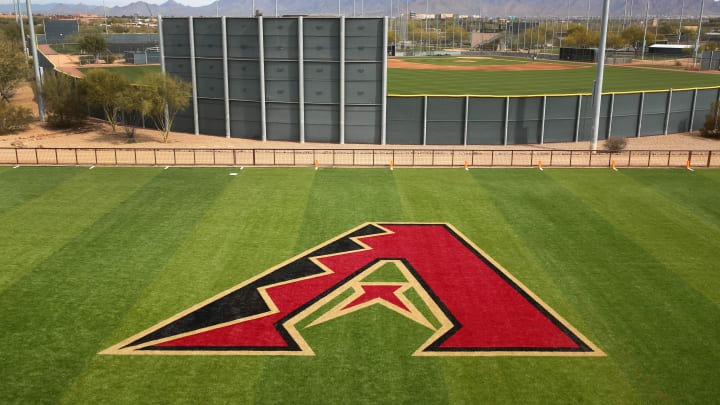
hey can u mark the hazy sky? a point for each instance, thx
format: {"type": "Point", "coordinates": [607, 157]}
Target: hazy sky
{"type": "Point", "coordinates": [110, 3]}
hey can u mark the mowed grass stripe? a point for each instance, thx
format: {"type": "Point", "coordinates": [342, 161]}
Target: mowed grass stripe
{"type": "Point", "coordinates": [25, 183]}
{"type": "Point", "coordinates": [35, 230]}
{"type": "Point", "coordinates": [55, 319]}
{"type": "Point", "coordinates": [650, 321]}
{"type": "Point", "coordinates": [683, 242]}
{"type": "Point", "coordinates": [235, 241]}
{"type": "Point", "coordinates": [617, 79]}
{"type": "Point", "coordinates": [511, 379]}
{"type": "Point", "coordinates": [364, 356]}
{"type": "Point", "coordinates": [695, 191]}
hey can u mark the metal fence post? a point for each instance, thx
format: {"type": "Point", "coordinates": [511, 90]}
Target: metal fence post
{"type": "Point", "coordinates": [383, 129]}
{"type": "Point", "coordinates": [709, 158]}
{"type": "Point", "coordinates": [301, 79]}
{"type": "Point", "coordinates": [37, 161]}
{"type": "Point", "coordinates": [114, 150]}
{"type": "Point", "coordinates": [640, 117]}
{"type": "Point", "coordinates": [226, 80]}
{"type": "Point", "coordinates": [261, 62]}
{"type": "Point", "coordinates": [193, 73]}
{"type": "Point", "coordinates": [465, 130]}
{"type": "Point", "coordinates": [425, 105]}
{"type": "Point", "coordinates": [17, 159]}
{"type": "Point", "coordinates": [507, 119]}
{"type": "Point", "coordinates": [56, 156]}
{"type": "Point", "coordinates": [154, 157]}
{"type": "Point", "coordinates": [692, 111]}
{"type": "Point", "coordinates": [610, 118]}
{"type": "Point", "coordinates": [542, 124]}
{"type": "Point", "coordinates": [668, 111]}
{"type": "Point", "coordinates": [578, 118]}
{"type": "Point", "coordinates": [342, 79]}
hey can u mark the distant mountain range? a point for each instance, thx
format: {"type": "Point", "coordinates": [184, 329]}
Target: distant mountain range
{"type": "Point", "coordinates": [239, 8]}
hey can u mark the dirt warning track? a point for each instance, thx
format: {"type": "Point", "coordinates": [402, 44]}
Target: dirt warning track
{"type": "Point", "coordinates": [404, 64]}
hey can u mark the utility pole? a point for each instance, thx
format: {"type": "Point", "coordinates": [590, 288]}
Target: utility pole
{"type": "Point", "coordinates": [568, 19]}
{"type": "Point", "coordinates": [253, 12]}
{"type": "Point", "coordinates": [699, 32]}
{"type": "Point", "coordinates": [587, 23]}
{"type": "Point", "coordinates": [647, 10]}
{"type": "Point", "coordinates": [276, 8]}
{"type": "Point", "coordinates": [22, 32]}
{"type": "Point", "coordinates": [105, 15]}
{"type": "Point", "coordinates": [36, 65]}
{"type": "Point", "coordinates": [597, 93]}
{"type": "Point", "coordinates": [682, 15]}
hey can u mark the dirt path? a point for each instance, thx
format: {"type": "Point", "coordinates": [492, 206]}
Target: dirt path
{"type": "Point", "coordinates": [532, 66]}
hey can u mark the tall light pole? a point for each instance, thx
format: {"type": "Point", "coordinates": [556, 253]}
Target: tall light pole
{"type": "Point", "coordinates": [647, 10]}
{"type": "Point", "coordinates": [568, 19]}
{"type": "Point", "coordinates": [699, 32]}
{"type": "Point", "coordinates": [587, 23]}
{"type": "Point", "coordinates": [105, 15]}
{"type": "Point", "coordinates": [36, 65]}
{"type": "Point", "coordinates": [597, 93]}
{"type": "Point", "coordinates": [252, 12]}
{"type": "Point", "coordinates": [276, 8]}
{"type": "Point", "coordinates": [682, 15]}
{"type": "Point", "coordinates": [22, 32]}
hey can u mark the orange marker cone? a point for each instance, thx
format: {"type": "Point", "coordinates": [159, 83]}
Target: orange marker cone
{"type": "Point", "coordinates": [392, 166]}
{"type": "Point", "coordinates": [687, 166]}
{"type": "Point", "coordinates": [466, 167]}
{"type": "Point", "coordinates": [316, 164]}
{"type": "Point", "coordinates": [613, 165]}
{"type": "Point", "coordinates": [540, 164]}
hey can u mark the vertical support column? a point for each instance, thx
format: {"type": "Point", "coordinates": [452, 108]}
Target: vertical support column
{"type": "Point", "coordinates": [226, 80]}
{"type": "Point", "coordinates": [22, 32]}
{"type": "Point", "coordinates": [162, 62]}
{"type": "Point", "coordinates": [193, 74]}
{"type": "Point", "coordinates": [261, 61]}
{"type": "Point", "coordinates": [342, 79]}
{"type": "Point", "coordinates": [425, 103]}
{"type": "Point", "coordinates": [507, 120]}
{"type": "Point", "coordinates": [692, 110]}
{"type": "Point", "coordinates": [542, 127]}
{"type": "Point", "coordinates": [36, 65]}
{"type": "Point", "coordinates": [301, 79]}
{"type": "Point", "coordinates": [383, 129]}
{"type": "Point", "coordinates": [465, 130]}
{"type": "Point", "coordinates": [640, 117]}
{"type": "Point", "coordinates": [610, 118]}
{"type": "Point", "coordinates": [578, 118]}
{"type": "Point", "coordinates": [668, 109]}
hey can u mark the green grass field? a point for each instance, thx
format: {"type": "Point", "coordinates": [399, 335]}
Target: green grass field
{"type": "Point", "coordinates": [92, 257]}
{"type": "Point", "coordinates": [133, 73]}
{"type": "Point", "coordinates": [71, 49]}
{"type": "Point", "coordinates": [573, 81]}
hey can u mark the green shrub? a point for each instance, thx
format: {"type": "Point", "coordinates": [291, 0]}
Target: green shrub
{"type": "Point", "coordinates": [14, 118]}
{"type": "Point", "coordinates": [109, 59]}
{"type": "Point", "coordinates": [65, 103]}
{"type": "Point", "coordinates": [615, 144]}
{"type": "Point", "coordinates": [712, 123]}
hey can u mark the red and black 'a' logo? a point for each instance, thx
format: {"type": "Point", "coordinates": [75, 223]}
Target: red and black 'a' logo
{"type": "Point", "coordinates": [473, 306]}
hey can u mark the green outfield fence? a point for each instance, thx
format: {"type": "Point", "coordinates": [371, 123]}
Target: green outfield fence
{"type": "Point", "coordinates": [354, 157]}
